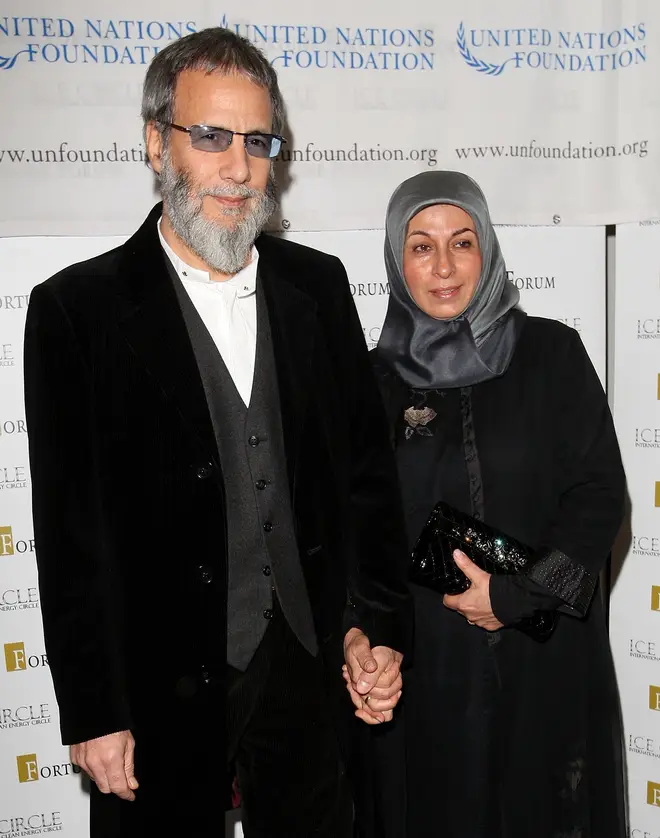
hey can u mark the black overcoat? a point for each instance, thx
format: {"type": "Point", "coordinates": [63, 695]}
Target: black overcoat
{"type": "Point", "coordinates": [130, 519]}
{"type": "Point", "coordinates": [500, 736]}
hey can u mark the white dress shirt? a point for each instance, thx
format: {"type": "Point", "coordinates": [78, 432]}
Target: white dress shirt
{"type": "Point", "coordinates": [229, 311]}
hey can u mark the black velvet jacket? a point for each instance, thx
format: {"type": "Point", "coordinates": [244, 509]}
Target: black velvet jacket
{"type": "Point", "coordinates": [129, 510]}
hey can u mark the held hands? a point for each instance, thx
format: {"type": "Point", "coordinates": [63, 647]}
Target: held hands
{"type": "Point", "coordinates": [474, 604]}
{"type": "Point", "coordinates": [373, 677]}
{"type": "Point", "coordinates": [109, 762]}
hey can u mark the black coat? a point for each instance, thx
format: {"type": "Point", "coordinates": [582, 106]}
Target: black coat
{"type": "Point", "coordinates": [501, 736]}
{"type": "Point", "coordinates": [129, 511]}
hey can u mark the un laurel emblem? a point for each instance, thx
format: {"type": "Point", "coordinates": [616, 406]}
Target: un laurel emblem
{"type": "Point", "coordinates": [474, 62]}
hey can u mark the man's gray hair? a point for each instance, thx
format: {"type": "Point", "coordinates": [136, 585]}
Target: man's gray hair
{"type": "Point", "coordinates": [213, 49]}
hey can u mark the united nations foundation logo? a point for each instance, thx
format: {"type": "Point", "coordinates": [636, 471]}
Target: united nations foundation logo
{"type": "Point", "coordinates": [17, 659]}
{"type": "Point", "coordinates": [27, 715]}
{"type": "Point", "coordinates": [36, 823]}
{"type": "Point", "coordinates": [50, 40]}
{"type": "Point", "coordinates": [335, 47]}
{"type": "Point", "coordinates": [29, 770]}
{"type": "Point", "coordinates": [490, 51]}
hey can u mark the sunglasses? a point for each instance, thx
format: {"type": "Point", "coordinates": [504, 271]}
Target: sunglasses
{"type": "Point", "coordinates": [208, 138]}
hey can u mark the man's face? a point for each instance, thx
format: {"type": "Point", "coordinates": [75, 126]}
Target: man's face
{"type": "Point", "coordinates": [216, 202]}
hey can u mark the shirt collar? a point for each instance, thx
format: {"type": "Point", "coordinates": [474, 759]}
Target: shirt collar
{"type": "Point", "coordinates": [244, 283]}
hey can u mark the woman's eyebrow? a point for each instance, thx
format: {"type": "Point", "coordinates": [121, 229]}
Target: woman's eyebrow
{"type": "Point", "coordinates": [454, 232]}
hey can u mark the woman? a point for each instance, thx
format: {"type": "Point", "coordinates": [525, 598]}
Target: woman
{"type": "Point", "coordinates": [503, 417]}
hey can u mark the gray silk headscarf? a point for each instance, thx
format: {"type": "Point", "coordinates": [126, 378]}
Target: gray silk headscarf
{"type": "Point", "coordinates": [474, 346]}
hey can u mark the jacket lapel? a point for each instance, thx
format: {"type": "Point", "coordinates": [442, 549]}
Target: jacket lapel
{"type": "Point", "coordinates": [152, 323]}
{"type": "Point", "coordinates": [292, 315]}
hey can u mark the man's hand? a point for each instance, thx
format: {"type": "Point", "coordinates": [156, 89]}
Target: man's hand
{"type": "Point", "coordinates": [372, 676]}
{"type": "Point", "coordinates": [109, 762]}
{"type": "Point", "coordinates": [474, 604]}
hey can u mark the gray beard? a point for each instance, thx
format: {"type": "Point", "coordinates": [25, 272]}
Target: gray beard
{"type": "Point", "coordinates": [225, 249]}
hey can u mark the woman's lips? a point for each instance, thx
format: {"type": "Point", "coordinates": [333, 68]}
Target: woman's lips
{"type": "Point", "coordinates": [446, 293]}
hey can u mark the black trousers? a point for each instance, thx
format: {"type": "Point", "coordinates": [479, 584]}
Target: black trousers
{"type": "Point", "coordinates": [283, 742]}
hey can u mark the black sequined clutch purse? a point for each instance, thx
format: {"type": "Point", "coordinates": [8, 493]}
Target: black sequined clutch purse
{"type": "Point", "coordinates": [446, 530]}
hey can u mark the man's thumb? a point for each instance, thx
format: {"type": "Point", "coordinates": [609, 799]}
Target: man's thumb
{"type": "Point", "coordinates": [367, 665]}
{"type": "Point", "coordinates": [368, 662]}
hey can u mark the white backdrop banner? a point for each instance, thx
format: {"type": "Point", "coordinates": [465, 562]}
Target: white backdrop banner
{"type": "Point", "coordinates": [635, 603]}
{"type": "Point", "coordinates": [560, 273]}
{"type": "Point", "coordinates": [553, 107]}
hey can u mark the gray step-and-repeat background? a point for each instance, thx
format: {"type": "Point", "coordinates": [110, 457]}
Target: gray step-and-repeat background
{"type": "Point", "coordinates": [553, 108]}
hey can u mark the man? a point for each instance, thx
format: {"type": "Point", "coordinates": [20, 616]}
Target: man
{"type": "Point", "coordinates": [215, 503]}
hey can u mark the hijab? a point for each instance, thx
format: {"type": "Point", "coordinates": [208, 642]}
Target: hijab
{"type": "Point", "coordinates": [478, 344]}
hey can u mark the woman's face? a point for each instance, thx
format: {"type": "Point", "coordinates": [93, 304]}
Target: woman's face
{"type": "Point", "coordinates": [442, 260]}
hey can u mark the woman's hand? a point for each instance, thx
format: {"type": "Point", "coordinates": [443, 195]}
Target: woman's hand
{"type": "Point", "coordinates": [474, 604]}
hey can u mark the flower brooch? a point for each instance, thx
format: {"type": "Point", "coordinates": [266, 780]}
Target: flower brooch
{"type": "Point", "coordinates": [417, 419]}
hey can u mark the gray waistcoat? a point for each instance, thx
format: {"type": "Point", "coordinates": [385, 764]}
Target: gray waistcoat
{"type": "Point", "coordinates": [262, 553]}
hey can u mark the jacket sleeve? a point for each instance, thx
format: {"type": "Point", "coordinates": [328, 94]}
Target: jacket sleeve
{"type": "Point", "coordinates": [590, 505]}
{"type": "Point", "coordinates": [512, 598]}
{"type": "Point", "coordinates": [379, 601]}
{"type": "Point", "coordinates": [75, 578]}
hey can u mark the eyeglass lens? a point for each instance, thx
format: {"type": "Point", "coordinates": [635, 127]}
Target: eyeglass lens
{"type": "Point", "coordinates": [219, 139]}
